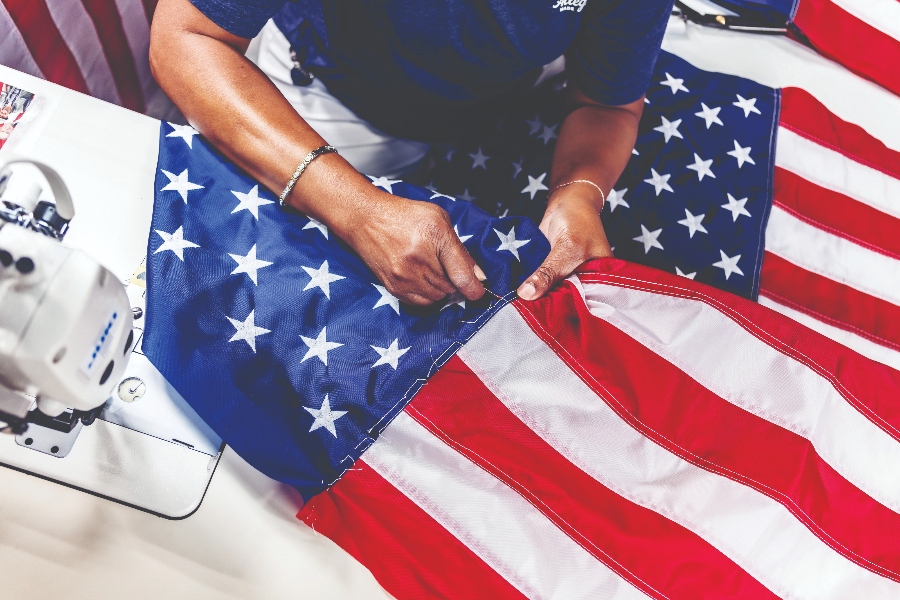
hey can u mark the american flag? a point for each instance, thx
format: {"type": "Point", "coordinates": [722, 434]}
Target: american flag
{"type": "Point", "coordinates": [97, 47]}
{"type": "Point", "coordinates": [636, 433]}
{"type": "Point", "coordinates": [862, 35]}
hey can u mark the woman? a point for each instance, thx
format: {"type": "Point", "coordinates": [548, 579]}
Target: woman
{"type": "Point", "coordinates": [408, 73]}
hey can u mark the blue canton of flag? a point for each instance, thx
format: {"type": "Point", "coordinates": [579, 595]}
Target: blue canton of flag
{"type": "Point", "coordinates": [277, 334]}
{"type": "Point", "coordinates": [695, 196]}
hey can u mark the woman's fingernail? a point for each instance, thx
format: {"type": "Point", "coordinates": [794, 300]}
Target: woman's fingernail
{"type": "Point", "coordinates": [527, 291]}
{"type": "Point", "coordinates": [479, 273]}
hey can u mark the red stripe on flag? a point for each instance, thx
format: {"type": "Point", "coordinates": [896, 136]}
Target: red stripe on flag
{"type": "Point", "coordinates": [45, 43]}
{"type": "Point", "coordinates": [407, 551]}
{"type": "Point", "coordinates": [686, 418]}
{"type": "Point", "coordinates": [457, 408]}
{"type": "Point", "coordinates": [864, 384]}
{"type": "Point", "coordinates": [108, 24]}
{"type": "Point", "coordinates": [850, 41]}
{"type": "Point", "coordinates": [806, 116]}
{"type": "Point", "coordinates": [830, 301]}
{"type": "Point", "coordinates": [837, 213]}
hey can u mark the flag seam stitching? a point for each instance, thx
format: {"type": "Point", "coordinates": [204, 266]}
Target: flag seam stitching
{"type": "Point", "coordinates": [689, 456]}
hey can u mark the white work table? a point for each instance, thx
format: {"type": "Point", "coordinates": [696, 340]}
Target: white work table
{"type": "Point", "coordinates": [244, 541]}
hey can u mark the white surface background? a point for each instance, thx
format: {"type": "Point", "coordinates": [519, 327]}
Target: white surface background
{"type": "Point", "coordinates": [244, 541]}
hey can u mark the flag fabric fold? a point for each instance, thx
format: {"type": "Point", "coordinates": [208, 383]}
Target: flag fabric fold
{"type": "Point", "coordinates": [637, 433]}
{"type": "Point", "coordinates": [862, 35]}
{"type": "Point", "coordinates": [277, 334]}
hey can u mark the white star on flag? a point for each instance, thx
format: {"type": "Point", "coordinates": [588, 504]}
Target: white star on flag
{"type": "Point", "coordinates": [518, 167]}
{"type": "Point", "coordinates": [616, 198]}
{"type": "Point", "coordinates": [324, 416]}
{"type": "Point", "coordinates": [683, 274]}
{"type": "Point", "coordinates": [635, 152]}
{"type": "Point", "coordinates": [462, 238]}
{"type": "Point", "coordinates": [250, 201]}
{"type": "Point", "coordinates": [535, 125]}
{"type": "Point", "coordinates": [384, 183]}
{"type": "Point", "coordinates": [741, 154]}
{"type": "Point", "coordinates": [437, 195]}
{"type": "Point", "coordinates": [321, 279]}
{"type": "Point", "coordinates": [185, 132]}
{"type": "Point", "coordinates": [313, 224]}
{"type": "Point", "coordinates": [694, 223]}
{"type": "Point", "coordinates": [455, 299]}
{"type": "Point", "coordinates": [466, 196]}
{"type": "Point", "coordinates": [319, 347]}
{"type": "Point", "coordinates": [246, 330]}
{"type": "Point", "coordinates": [659, 182]}
{"type": "Point", "coordinates": [736, 207]}
{"type": "Point", "coordinates": [389, 355]}
{"type": "Point", "coordinates": [748, 106]}
{"type": "Point", "coordinates": [650, 239]}
{"type": "Point", "coordinates": [674, 84]}
{"type": "Point", "coordinates": [669, 129]}
{"type": "Point", "coordinates": [729, 265]}
{"type": "Point", "coordinates": [701, 167]}
{"type": "Point", "coordinates": [710, 115]}
{"type": "Point", "coordinates": [179, 183]}
{"type": "Point", "coordinates": [509, 242]}
{"type": "Point", "coordinates": [535, 185]}
{"type": "Point", "coordinates": [249, 264]}
{"type": "Point", "coordinates": [386, 299]}
{"type": "Point", "coordinates": [174, 242]}
{"type": "Point", "coordinates": [479, 159]}
{"type": "Point", "coordinates": [548, 134]}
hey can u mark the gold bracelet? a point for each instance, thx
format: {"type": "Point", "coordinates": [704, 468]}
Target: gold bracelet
{"type": "Point", "coordinates": [562, 185]}
{"type": "Point", "coordinates": [302, 167]}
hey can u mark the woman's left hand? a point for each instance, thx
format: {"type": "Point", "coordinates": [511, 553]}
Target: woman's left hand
{"type": "Point", "coordinates": [576, 235]}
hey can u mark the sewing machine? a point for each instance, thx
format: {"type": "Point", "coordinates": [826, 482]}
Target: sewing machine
{"type": "Point", "coordinates": [81, 403]}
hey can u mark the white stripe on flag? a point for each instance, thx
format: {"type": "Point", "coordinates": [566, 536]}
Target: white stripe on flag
{"type": "Point", "coordinates": [137, 32]}
{"type": "Point", "coordinates": [834, 171]}
{"type": "Point", "coordinates": [495, 522]}
{"type": "Point", "coordinates": [80, 35]}
{"type": "Point", "coordinates": [867, 348]}
{"type": "Point", "coordinates": [13, 49]}
{"type": "Point", "coordinates": [755, 531]}
{"type": "Point", "coordinates": [832, 256]}
{"type": "Point", "coordinates": [883, 15]}
{"type": "Point", "coordinates": [760, 379]}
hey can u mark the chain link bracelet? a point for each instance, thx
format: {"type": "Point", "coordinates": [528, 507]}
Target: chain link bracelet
{"type": "Point", "coordinates": [302, 167]}
{"type": "Point", "coordinates": [597, 187]}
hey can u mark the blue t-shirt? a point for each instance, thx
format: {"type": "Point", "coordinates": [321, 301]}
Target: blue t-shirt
{"type": "Point", "coordinates": [433, 69]}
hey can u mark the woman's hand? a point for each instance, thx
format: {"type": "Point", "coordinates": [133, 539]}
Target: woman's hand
{"type": "Point", "coordinates": [412, 249]}
{"type": "Point", "coordinates": [576, 235]}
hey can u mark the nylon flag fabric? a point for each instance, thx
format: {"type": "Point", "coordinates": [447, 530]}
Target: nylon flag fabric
{"type": "Point", "coordinates": [862, 35]}
{"type": "Point", "coordinates": [635, 433]}
{"type": "Point", "coordinates": [97, 47]}
{"type": "Point", "coordinates": [280, 337]}
{"type": "Point", "coordinates": [695, 196]}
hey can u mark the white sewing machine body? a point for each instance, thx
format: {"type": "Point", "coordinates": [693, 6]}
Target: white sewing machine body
{"type": "Point", "coordinates": [65, 323]}
{"type": "Point", "coordinates": [70, 339]}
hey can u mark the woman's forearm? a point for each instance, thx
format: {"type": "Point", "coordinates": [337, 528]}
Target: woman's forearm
{"type": "Point", "coordinates": [595, 143]}
{"type": "Point", "coordinates": [234, 105]}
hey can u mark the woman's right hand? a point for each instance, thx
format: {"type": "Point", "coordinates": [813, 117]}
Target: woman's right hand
{"type": "Point", "coordinates": [412, 248]}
